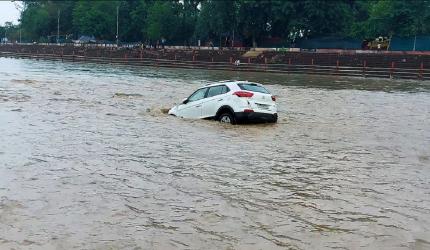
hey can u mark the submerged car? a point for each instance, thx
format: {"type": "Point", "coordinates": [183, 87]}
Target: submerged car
{"type": "Point", "coordinates": [229, 102]}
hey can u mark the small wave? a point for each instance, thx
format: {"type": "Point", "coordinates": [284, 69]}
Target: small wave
{"type": "Point", "coordinates": [65, 99]}
{"type": "Point", "coordinates": [157, 111]}
{"type": "Point", "coordinates": [15, 97]}
{"type": "Point", "coordinates": [24, 81]}
{"type": "Point", "coordinates": [125, 95]}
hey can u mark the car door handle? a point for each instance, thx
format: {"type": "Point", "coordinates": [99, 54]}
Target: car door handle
{"type": "Point", "coordinates": [220, 100]}
{"type": "Point", "coordinates": [198, 106]}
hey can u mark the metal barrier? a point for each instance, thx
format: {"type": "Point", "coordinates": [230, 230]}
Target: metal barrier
{"type": "Point", "coordinates": [364, 71]}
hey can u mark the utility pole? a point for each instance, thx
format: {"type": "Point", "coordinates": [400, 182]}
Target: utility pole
{"type": "Point", "coordinates": [117, 25]}
{"type": "Point", "coordinates": [58, 27]}
{"type": "Point", "coordinates": [232, 42]}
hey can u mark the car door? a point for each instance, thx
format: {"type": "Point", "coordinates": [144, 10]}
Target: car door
{"type": "Point", "coordinates": [214, 100]}
{"type": "Point", "coordinates": [193, 106]}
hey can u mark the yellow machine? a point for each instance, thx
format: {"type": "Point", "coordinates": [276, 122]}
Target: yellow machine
{"type": "Point", "coordinates": [380, 43]}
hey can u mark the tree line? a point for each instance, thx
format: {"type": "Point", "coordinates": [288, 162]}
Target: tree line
{"type": "Point", "coordinates": [251, 22]}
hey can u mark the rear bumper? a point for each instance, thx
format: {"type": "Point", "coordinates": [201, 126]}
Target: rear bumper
{"type": "Point", "coordinates": [255, 117]}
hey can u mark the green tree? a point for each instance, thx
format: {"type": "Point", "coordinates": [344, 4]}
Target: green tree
{"type": "Point", "coordinates": [217, 18]}
{"type": "Point", "coordinates": [323, 17]}
{"type": "Point", "coordinates": [9, 31]}
{"type": "Point", "coordinates": [179, 21]}
{"type": "Point", "coordinates": [129, 29]}
{"type": "Point", "coordinates": [398, 17]}
{"type": "Point", "coordinates": [96, 18]}
{"type": "Point", "coordinates": [163, 20]}
{"type": "Point", "coordinates": [139, 17]}
{"type": "Point", "coordinates": [36, 21]}
{"type": "Point", "coordinates": [188, 16]}
{"type": "Point", "coordinates": [39, 19]}
{"type": "Point", "coordinates": [283, 19]}
{"type": "Point", "coordinates": [254, 19]}
{"type": "Point", "coordinates": [360, 15]}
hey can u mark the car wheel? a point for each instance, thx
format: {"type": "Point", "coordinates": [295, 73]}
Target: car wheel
{"type": "Point", "coordinates": [226, 118]}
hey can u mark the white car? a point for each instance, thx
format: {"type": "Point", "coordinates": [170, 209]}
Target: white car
{"type": "Point", "coordinates": [229, 102]}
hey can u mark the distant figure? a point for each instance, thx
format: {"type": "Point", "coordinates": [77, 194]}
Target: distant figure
{"type": "Point", "coordinates": [163, 41]}
{"type": "Point", "coordinates": [365, 44]}
{"type": "Point", "coordinates": [237, 62]}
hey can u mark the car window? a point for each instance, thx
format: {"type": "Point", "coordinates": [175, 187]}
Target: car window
{"type": "Point", "coordinates": [198, 95]}
{"type": "Point", "coordinates": [253, 87]}
{"type": "Point", "coordinates": [217, 90]}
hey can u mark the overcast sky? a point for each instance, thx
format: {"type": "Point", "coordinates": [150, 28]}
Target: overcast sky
{"type": "Point", "coordinates": [8, 12]}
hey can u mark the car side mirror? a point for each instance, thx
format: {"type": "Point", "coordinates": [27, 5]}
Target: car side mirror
{"type": "Point", "coordinates": [185, 101]}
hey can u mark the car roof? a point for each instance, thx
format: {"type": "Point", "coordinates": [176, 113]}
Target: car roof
{"type": "Point", "coordinates": [228, 83]}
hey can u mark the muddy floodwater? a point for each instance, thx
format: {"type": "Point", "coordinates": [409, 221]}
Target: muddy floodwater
{"type": "Point", "coordinates": [89, 161]}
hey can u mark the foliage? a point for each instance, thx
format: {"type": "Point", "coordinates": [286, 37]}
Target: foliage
{"type": "Point", "coordinates": [253, 18]}
{"type": "Point", "coordinates": [252, 21]}
{"type": "Point", "coordinates": [96, 18]}
{"type": "Point", "coordinates": [216, 18]}
{"type": "Point", "coordinates": [397, 17]}
{"type": "Point", "coordinates": [162, 20]}
{"type": "Point", "coordinates": [10, 31]}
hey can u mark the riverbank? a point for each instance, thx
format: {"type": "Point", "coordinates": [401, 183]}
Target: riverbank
{"type": "Point", "coordinates": [325, 62]}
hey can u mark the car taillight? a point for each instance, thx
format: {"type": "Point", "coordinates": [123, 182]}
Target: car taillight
{"type": "Point", "coordinates": [273, 98]}
{"type": "Point", "coordinates": [243, 94]}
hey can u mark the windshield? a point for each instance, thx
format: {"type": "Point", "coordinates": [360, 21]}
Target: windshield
{"type": "Point", "coordinates": [253, 87]}
{"type": "Point", "coordinates": [198, 95]}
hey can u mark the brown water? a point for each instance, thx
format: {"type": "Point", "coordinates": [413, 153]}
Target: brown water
{"type": "Point", "coordinates": [88, 161]}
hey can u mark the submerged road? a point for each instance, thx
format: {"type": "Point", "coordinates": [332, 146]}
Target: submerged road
{"type": "Point", "coordinates": [88, 161]}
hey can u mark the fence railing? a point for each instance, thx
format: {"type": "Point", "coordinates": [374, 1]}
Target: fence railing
{"type": "Point", "coordinates": [363, 71]}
